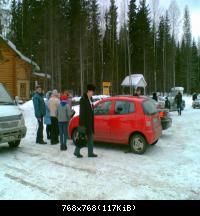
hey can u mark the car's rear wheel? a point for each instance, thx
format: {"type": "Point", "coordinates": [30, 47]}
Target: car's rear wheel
{"type": "Point", "coordinates": [138, 144]}
{"type": "Point", "coordinates": [75, 135]}
{"type": "Point", "coordinates": [14, 144]}
{"type": "Point", "coordinates": [155, 142]}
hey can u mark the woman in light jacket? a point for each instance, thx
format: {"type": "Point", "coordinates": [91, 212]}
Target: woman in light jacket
{"type": "Point", "coordinates": [47, 117]}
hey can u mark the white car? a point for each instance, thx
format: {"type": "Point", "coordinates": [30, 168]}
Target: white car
{"type": "Point", "coordinates": [196, 103]}
{"type": "Point", "coordinates": [12, 124]}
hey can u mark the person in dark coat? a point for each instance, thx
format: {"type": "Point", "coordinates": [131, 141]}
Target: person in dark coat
{"type": "Point", "coordinates": [167, 103]}
{"type": "Point", "coordinates": [137, 92]}
{"type": "Point", "coordinates": [178, 100]}
{"type": "Point", "coordinates": [86, 120]}
{"type": "Point", "coordinates": [194, 96]}
{"type": "Point", "coordinates": [155, 97]}
{"type": "Point", "coordinates": [40, 111]}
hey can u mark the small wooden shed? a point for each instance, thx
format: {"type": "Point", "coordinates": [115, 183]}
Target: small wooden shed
{"type": "Point", "coordinates": [134, 81]}
{"type": "Point", "coordinates": [15, 70]}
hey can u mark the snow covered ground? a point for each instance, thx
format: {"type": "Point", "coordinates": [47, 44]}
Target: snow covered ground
{"type": "Point", "coordinates": [169, 170]}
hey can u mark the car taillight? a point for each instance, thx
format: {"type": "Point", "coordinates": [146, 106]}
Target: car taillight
{"type": "Point", "coordinates": [162, 114]}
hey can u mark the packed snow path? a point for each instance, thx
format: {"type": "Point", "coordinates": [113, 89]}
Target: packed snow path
{"type": "Point", "coordinates": [169, 170]}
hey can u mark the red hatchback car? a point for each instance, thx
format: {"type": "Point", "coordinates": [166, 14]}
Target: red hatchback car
{"type": "Point", "coordinates": [125, 120]}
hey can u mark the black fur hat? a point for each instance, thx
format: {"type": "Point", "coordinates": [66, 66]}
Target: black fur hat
{"type": "Point", "coordinates": [91, 87]}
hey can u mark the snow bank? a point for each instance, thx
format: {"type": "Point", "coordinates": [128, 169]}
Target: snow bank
{"type": "Point", "coordinates": [168, 170]}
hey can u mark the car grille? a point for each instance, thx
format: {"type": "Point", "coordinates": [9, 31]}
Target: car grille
{"type": "Point", "coordinates": [10, 118]}
{"type": "Point", "coordinates": [6, 125]}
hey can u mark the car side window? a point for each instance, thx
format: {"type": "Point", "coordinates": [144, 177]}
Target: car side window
{"type": "Point", "coordinates": [124, 107]}
{"type": "Point", "coordinates": [103, 108]}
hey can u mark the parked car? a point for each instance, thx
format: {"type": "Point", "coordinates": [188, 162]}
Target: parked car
{"type": "Point", "coordinates": [196, 103]}
{"type": "Point", "coordinates": [12, 124]}
{"type": "Point", "coordinates": [125, 120]}
{"type": "Point", "coordinates": [166, 120]}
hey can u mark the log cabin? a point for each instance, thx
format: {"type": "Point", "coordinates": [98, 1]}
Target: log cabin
{"type": "Point", "coordinates": [17, 71]}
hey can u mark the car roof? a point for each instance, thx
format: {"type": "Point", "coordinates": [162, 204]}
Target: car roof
{"type": "Point", "coordinates": [127, 97]}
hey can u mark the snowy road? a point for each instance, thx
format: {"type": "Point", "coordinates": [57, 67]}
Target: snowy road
{"type": "Point", "coordinates": [169, 170]}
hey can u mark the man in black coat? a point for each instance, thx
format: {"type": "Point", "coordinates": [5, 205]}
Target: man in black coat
{"type": "Point", "coordinates": [86, 120]}
{"type": "Point", "coordinates": [178, 100]}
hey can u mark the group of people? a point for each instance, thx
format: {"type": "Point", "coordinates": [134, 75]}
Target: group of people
{"type": "Point", "coordinates": [56, 112]}
{"type": "Point", "coordinates": [178, 101]}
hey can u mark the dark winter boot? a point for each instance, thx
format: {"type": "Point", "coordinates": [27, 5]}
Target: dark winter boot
{"type": "Point", "coordinates": [63, 148]}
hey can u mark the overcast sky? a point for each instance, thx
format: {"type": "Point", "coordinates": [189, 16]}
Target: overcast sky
{"type": "Point", "coordinates": [194, 7]}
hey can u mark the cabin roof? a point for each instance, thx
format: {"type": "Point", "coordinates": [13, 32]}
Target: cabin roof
{"type": "Point", "coordinates": [23, 57]}
{"type": "Point", "coordinates": [134, 80]}
{"type": "Point", "coordinates": [43, 75]}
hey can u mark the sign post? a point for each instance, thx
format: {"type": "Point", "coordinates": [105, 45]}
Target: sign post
{"type": "Point", "coordinates": [106, 88]}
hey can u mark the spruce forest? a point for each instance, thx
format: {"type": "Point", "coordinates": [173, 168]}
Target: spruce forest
{"type": "Point", "coordinates": [76, 43]}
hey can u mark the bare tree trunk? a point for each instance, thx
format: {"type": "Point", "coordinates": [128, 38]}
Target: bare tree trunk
{"type": "Point", "coordinates": [51, 47]}
{"type": "Point", "coordinates": [117, 63]}
{"type": "Point", "coordinates": [102, 64]}
{"type": "Point", "coordinates": [154, 62]}
{"type": "Point", "coordinates": [93, 61]}
{"type": "Point", "coordinates": [144, 63]}
{"type": "Point", "coordinates": [129, 64]}
{"type": "Point", "coordinates": [81, 63]}
{"type": "Point", "coordinates": [174, 14]}
{"type": "Point", "coordinates": [164, 67]}
{"type": "Point", "coordinates": [155, 14]}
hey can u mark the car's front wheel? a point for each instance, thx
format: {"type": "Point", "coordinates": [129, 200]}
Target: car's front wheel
{"type": "Point", "coordinates": [14, 144]}
{"type": "Point", "coordinates": [138, 144]}
{"type": "Point", "coordinates": [75, 135]}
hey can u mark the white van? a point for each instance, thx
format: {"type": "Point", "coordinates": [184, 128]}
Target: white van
{"type": "Point", "coordinates": [12, 124]}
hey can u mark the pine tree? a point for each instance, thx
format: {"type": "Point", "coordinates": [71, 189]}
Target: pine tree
{"type": "Point", "coordinates": [132, 15]}
{"type": "Point", "coordinates": [195, 79]}
{"type": "Point", "coordinates": [110, 46]}
{"type": "Point", "coordinates": [187, 38]}
{"type": "Point", "coordinates": [94, 34]}
{"type": "Point", "coordinates": [142, 44]}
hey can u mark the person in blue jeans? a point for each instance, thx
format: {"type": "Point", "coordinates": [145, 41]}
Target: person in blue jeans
{"type": "Point", "coordinates": [63, 114]}
{"type": "Point", "coordinates": [47, 117]}
{"type": "Point", "coordinates": [40, 112]}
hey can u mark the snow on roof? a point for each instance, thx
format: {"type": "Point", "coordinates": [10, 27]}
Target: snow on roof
{"type": "Point", "coordinates": [135, 80]}
{"type": "Point", "coordinates": [42, 75]}
{"type": "Point", "coordinates": [177, 89]}
{"type": "Point", "coordinates": [13, 47]}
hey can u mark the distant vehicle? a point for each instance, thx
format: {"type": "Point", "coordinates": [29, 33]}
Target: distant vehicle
{"type": "Point", "coordinates": [166, 120]}
{"type": "Point", "coordinates": [160, 103]}
{"type": "Point", "coordinates": [196, 103]}
{"type": "Point", "coordinates": [12, 124]}
{"type": "Point", "coordinates": [125, 120]}
{"type": "Point", "coordinates": [172, 94]}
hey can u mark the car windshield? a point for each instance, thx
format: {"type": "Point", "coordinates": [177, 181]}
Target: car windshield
{"type": "Point", "coordinates": [5, 98]}
{"type": "Point", "coordinates": [149, 107]}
